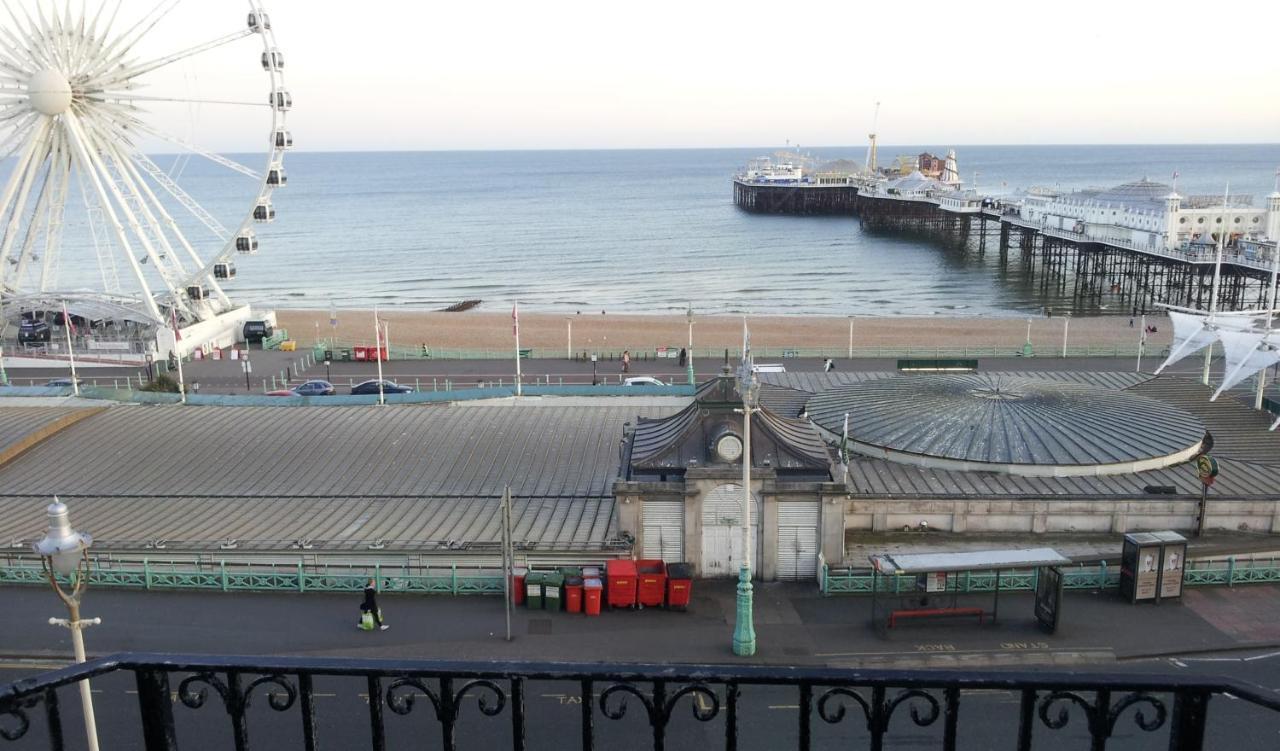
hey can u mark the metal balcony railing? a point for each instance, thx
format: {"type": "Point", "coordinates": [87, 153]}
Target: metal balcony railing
{"type": "Point", "coordinates": [473, 703]}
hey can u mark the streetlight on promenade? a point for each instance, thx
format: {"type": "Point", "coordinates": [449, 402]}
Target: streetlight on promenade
{"type": "Point", "coordinates": [63, 551]}
{"type": "Point", "coordinates": [850, 337]}
{"type": "Point", "coordinates": [744, 631]}
{"type": "Point", "coordinates": [688, 316]}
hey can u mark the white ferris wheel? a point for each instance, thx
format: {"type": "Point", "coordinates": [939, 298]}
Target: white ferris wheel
{"type": "Point", "coordinates": [78, 104]}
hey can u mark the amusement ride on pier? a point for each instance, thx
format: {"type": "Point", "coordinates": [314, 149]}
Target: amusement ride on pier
{"type": "Point", "coordinates": [77, 94]}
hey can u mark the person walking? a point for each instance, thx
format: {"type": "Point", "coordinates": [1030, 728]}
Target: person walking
{"type": "Point", "coordinates": [829, 365]}
{"type": "Point", "coordinates": [370, 604]}
{"type": "Point", "coordinates": [626, 361]}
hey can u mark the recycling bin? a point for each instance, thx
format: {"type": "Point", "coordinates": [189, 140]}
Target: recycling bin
{"type": "Point", "coordinates": [552, 590]}
{"type": "Point", "coordinates": [573, 594]}
{"type": "Point", "coordinates": [517, 585]}
{"type": "Point", "coordinates": [620, 583]}
{"type": "Point", "coordinates": [679, 585]}
{"type": "Point", "coordinates": [651, 583]}
{"type": "Point", "coordinates": [533, 590]}
{"type": "Point", "coordinates": [572, 571]}
{"type": "Point", "coordinates": [591, 591]}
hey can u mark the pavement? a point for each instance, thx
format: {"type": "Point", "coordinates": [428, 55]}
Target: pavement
{"type": "Point", "coordinates": [795, 625]}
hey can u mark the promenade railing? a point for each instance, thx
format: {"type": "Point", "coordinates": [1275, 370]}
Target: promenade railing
{"type": "Point", "coordinates": [344, 703]}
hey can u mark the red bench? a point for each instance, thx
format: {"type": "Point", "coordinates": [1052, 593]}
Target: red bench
{"type": "Point", "coordinates": [935, 613]}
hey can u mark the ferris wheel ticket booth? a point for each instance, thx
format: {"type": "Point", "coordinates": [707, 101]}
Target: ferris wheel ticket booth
{"type": "Point", "coordinates": [915, 586]}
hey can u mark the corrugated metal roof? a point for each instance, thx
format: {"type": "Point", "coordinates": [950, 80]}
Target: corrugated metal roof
{"type": "Point", "coordinates": [451, 451]}
{"type": "Point", "coordinates": [877, 478]}
{"type": "Point", "coordinates": [1239, 431]}
{"type": "Point", "coordinates": [326, 523]}
{"type": "Point", "coordinates": [998, 419]}
{"type": "Point", "coordinates": [970, 560]}
{"type": "Point", "coordinates": [816, 383]}
{"type": "Point", "coordinates": [18, 423]}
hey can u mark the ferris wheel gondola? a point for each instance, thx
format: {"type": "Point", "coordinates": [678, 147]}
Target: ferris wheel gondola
{"type": "Point", "coordinates": [72, 117]}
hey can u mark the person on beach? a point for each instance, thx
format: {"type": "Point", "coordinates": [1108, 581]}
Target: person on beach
{"type": "Point", "coordinates": [626, 361]}
{"type": "Point", "coordinates": [370, 604]}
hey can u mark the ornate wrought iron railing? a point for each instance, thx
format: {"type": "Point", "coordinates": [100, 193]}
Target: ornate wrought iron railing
{"type": "Point", "coordinates": [490, 700]}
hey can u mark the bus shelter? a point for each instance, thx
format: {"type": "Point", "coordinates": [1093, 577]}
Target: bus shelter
{"type": "Point", "coordinates": [934, 585]}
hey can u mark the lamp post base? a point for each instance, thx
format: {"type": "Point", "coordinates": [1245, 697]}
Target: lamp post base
{"type": "Point", "coordinates": [744, 632]}
{"type": "Point", "coordinates": [693, 380]}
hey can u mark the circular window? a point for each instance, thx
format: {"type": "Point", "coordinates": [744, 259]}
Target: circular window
{"type": "Point", "coordinates": [1255, 220]}
{"type": "Point", "coordinates": [1237, 220]}
{"type": "Point", "coordinates": [1200, 220]}
{"type": "Point", "coordinates": [1218, 220]}
{"type": "Point", "coordinates": [1182, 220]}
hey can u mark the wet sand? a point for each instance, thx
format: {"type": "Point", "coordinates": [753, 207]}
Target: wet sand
{"type": "Point", "coordinates": [608, 332]}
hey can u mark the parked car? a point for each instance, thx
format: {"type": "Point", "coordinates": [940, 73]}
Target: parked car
{"type": "Point", "coordinates": [256, 331]}
{"type": "Point", "coordinates": [371, 387]}
{"type": "Point", "coordinates": [34, 332]}
{"type": "Point", "coordinates": [643, 381]}
{"type": "Point", "coordinates": [309, 388]}
{"type": "Point", "coordinates": [64, 382]}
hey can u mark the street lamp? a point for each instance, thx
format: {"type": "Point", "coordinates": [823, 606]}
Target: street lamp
{"type": "Point", "coordinates": [65, 552]}
{"type": "Point", "coordinates": [850, 337]}
{"type": "Point", "coordinates": [744, 631]}
{"type": "Point", "coordinates": [688, 316]}
{"type": "Point", "coordinates": [568, 348]}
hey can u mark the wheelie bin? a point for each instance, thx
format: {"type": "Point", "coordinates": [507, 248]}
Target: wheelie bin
{"type": "Point", "coordinates": [552, 590]}
{"type": "Point", "coordinates": [573, 594]}
{"type": "Point", "coordinates": [517, 585]}
{"type": "Point", "coordinates": [620, 583]}
{"type": "Point", "coordinates": [679, 585]}
{"type": "Point", "coordinates": [533, 590]}
{"type": "Point", "coordinates": [651, 587]}
{"type": "Point", "coordinates": [591, 591]}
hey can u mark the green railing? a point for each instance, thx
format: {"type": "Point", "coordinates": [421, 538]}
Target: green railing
{"type": "Point", "coordinates": [1227, 572]}
{"type": "Point", "coordinates": [273, 341]}
{"type": "Point", "coordinates": [234, 576]}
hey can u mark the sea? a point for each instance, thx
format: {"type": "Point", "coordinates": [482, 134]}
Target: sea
{"type": "Point", "coordinates": [637, 231]}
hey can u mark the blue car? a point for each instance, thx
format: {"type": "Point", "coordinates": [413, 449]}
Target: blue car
{"type": "Point", "coordinates": [371, 387]}
{"type": "Point", "coordinates": [310, 388]}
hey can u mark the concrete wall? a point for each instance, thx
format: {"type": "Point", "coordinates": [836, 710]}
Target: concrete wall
{"type": "Point", "coordinates": [1040, 516]}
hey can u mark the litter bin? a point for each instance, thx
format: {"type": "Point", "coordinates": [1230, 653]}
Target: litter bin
{"type": "Point", "coordinates": [328, 355]}
{"type": "Point", "coordinates": [573, 594]}
{"type": "Point", "coordinates": [533, 589]}
{"type": "Point", "coordinates": [346, 355]}
{"type": "Point", "coordinates": [517, 585]}
{"type": "Point", "coordinates": [591, 591]}
{"type": "Point", "coordinates": [552, 582]}
{"type": "Point", "coordinates": [620, 587]}
{"type": "Point", "coordinates": [572, 571]}
{"type": "Point", "coordinates": [590, 572]}
{"type": "Point", "coordinates": [679, 585]}
{"type": "Point", "coordinates": [651, 587]}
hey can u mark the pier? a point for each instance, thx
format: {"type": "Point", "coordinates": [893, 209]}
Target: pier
{"type": "Point", "coordinates": [1170, 263]}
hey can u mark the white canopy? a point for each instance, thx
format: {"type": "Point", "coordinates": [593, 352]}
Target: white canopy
{"type": "Point", "coordinates": [1247, 353]}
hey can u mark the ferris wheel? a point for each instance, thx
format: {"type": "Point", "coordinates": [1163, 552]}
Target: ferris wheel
{"type": "Point", "coordinates": [80, 102]}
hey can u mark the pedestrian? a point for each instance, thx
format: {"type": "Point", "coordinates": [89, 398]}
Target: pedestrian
{"type": "Point", "coordinates": [684, 357]}
{"type": "Point", "coordinates": [829, 365]}
{"type": "Point", "coordinates": [370, 604]}
{"type": "Point", "coordinates": [626, 361]}
{"type": "Point", "coordinates": [1130, 323]}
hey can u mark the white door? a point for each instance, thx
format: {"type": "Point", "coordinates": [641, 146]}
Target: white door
{"type": "Point", "coordinates": [722, 551]}
{"type": "Point", "coordinates": [798, 540]}
{"type": "Point", "coordinates": [664, 530]}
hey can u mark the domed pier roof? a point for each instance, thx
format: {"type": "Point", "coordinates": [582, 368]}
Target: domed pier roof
{"type": "Point", "coordinates": [1138, 191]}
{"type": "Point", "coordinates": [1021, 426]}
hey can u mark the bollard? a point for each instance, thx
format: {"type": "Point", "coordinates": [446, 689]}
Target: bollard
{"type": "Point", "coordinates": [433, 384]}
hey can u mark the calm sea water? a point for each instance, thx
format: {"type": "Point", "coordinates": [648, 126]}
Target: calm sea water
{"type": "Point", "coordinates": [635, 231]}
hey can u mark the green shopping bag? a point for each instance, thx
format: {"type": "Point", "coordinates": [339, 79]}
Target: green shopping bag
{"type": "Point", "coordinates": [366, 620]}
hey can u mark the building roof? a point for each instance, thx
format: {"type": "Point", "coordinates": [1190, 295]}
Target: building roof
{"type": "Point", "coordinates": [817, 382]}
{"type": "Point", "coordinates": [20, 425]}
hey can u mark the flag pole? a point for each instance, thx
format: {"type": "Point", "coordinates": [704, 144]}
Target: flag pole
{"type": "Point", "coordinates": [515, 317]}
{"type": "Point", "coordinates": [173, 320]}
{"type": "Point", "coordinates": [1217, 276]}
{"type": "Point", "coordinates": [1142, 344]}
{"type": "Point", "coordinates": [71, 354]}
{"type": "Point", "coordinates": [377, 351]}
{"type": "Point", "coordinates": [508, 554]}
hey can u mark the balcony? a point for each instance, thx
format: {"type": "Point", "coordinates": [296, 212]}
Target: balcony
{"type": "Point", "coordinates": [167, 701]}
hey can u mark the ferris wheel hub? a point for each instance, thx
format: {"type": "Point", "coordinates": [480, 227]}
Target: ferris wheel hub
{"type": "Point", "coordinates": [50, 92]}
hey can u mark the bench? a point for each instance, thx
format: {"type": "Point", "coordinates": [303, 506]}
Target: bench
{"type": "Point", "coordinates": [935, 613]}
{"type": "Point", "coordinates": [938, 365]}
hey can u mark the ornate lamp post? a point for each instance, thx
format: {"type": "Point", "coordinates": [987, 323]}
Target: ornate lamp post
{"type": "Point", "coordinates": [63, 551]}
{"type": "Point", "coordinates": [688, 316]}
{"type": "Point", "coordinates": [744, 631]}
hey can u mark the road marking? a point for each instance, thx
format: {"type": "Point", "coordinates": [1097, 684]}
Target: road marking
{"type": "Point", "coordinates": [784, 706]}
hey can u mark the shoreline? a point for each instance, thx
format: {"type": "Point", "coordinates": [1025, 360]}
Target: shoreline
{"type": "Point", "coordinates": [615, 332]}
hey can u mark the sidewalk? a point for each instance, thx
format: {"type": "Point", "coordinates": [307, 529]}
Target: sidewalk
{"type": "Point", "coordinates": [794, 626]}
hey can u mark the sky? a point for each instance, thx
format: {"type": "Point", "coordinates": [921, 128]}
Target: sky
{"type": "Point", "coordinates": [401, 75]}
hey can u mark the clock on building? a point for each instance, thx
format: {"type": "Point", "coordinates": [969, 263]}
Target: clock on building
{"type": "Point", "coordinates": [729, 448]}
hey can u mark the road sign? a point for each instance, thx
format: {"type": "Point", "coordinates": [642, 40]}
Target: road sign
{"type": "Point", "coordinates": [1207, 468]}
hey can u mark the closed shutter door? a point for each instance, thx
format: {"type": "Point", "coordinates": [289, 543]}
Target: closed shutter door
{"type": "Point", "coordinates": [664, 530]}
{"type": "Point", "coordinates": [797, 540]}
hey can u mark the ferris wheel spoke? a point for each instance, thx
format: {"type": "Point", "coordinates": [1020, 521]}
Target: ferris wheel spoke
{"type": "Point", "coordinates": [109, 96]}
{"type": "Point", "coordinates": [140, 69]}
{"type": "Point", "coordinates": [36, 159]}
{"type": "Point", "coordinates": [57, 212]}
{"type": "Point", "coordinates": [216, 158]}
{"type": "Point", "coordinates": [115, 52]}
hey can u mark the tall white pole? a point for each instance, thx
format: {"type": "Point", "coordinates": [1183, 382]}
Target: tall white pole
{"type": "Point", "coordinates": [182, 383]}
{"type": "Point", "coordinates": [508, 553]}
{"type": "Point", "coordinates": [748, 556]}
{"type": "Point", "coordinates": [516, 316]}
{"type": "Point", "coordinates": [568, 350]}
{"type": "Point", "coordinates": [86, 695]}
{"type": "Point", "coordinates": [1066, 323]}
{"type": "Point", "coordinates": [71, 354]}
{"type": "Point", "coordinates": [377, 352]}
{"type": "Point", "coordinates": [1142, 344]}
{"type": "Point", "coordinates": [850, 337]}
{"type": "Point", "coordinates": [1271, 309]}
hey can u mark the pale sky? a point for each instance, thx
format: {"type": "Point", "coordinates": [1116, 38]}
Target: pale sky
{"type": "Point", "coordinates": [534, 75]}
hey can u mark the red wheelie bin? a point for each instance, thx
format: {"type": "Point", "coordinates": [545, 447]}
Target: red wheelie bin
{"type": "Point", "coordinates": [679, 585]}
{"type": "Point", "coordinates": [620, 583]}
{"type": "Point", "coordinates": [651, 587]}
{"type": "Point", "coordinates": [591, 591]}
{"type": "Point", "coordinates": [573, 594]}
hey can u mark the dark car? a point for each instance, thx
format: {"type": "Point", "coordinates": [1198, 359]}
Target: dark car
{"type": "Point", "coordinates": [33, 332]}
{"type": "Point", "coordinates": [310, 388]}
{"type": "Point", "coordinates": [256, 331]}
{"type": "Point", "coordinates": [371, 387]}
{"type": "Point", "coordinates": [64, 382]}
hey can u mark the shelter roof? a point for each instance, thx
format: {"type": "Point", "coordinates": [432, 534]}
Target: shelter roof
{"type": "Point", "coordinates": [973, 560]}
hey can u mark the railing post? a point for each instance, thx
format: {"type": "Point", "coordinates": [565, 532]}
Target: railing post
{"type": "Point", "coordinates": [1102, 577]}
{"type": "Point", "coordinates": [377, 577]}
{"type": "Point", "coordinates": [1231, 571]}
{"type": "Point", "coordinates": [156, 707]}
{"type": "Point", "coordinates": [453, 577]}
{"type": "Point", "coordinates": [1190, 712]}
{"type": "Point", "coordinates": [302, 580]}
